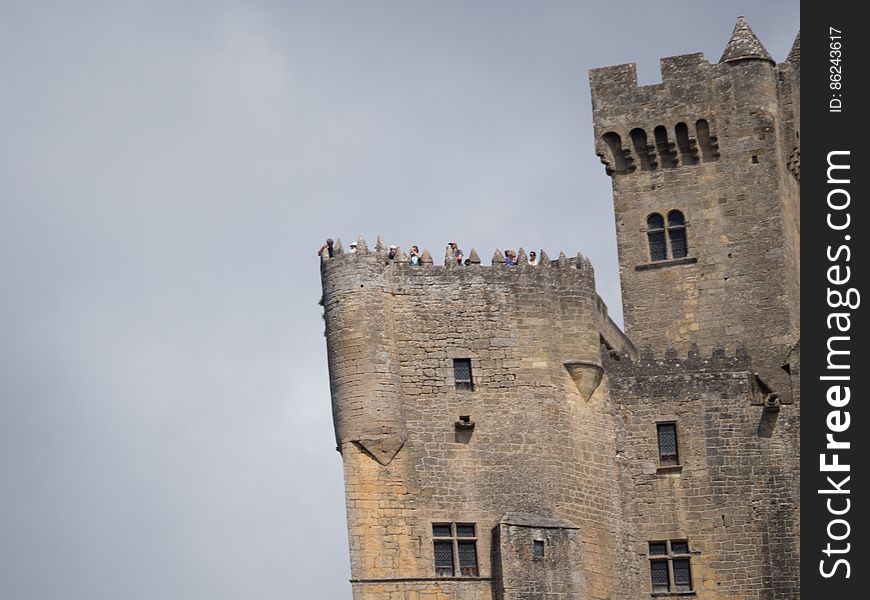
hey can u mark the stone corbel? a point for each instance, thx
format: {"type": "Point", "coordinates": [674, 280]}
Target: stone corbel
{"type": "Point", "coordinates": [586, 375]}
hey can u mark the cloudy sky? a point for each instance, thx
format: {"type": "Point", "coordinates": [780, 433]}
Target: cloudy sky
{"type": "Point", "coordinates": [167, 172]}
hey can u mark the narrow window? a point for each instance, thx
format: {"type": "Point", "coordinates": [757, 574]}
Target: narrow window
{"type": "Point", "coordinates": [443, 559]}
{"type": "Point", "coordinates": [462, 374]}
{"type": "Point", "coordinates": [661, 581]}
{"type": "Point", "coordinates": [455, 543]}
{"type": "Point", "coordinates": [467, 558]}
{"type": "Point", "coordinates": [667, 434]}
{"type": "Point", "coordinates": [538, 549]}
{"type": "Point", "coordinates": [655, 231]}
{"type": "Point", "coordinates": [677, 234]}
{"type": "Point", "coordinates": [443, 549]}
{"type": "Point", "coordinates": [682, 575]}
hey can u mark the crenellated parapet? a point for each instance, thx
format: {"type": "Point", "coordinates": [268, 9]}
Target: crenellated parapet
{"type": "Point", "coordinates": [683, 120]}
{"type": "Point", "coordinates": [660, 126]}
{"type": "Point", "coordinates": [351, 269]}
{"type": "Point", "coordinates": [672, 360]}
{"type": "Point", "coordinates": [397, 256]}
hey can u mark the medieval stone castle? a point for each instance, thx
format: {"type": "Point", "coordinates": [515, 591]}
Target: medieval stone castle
{"type": "Point", "coordinates": [502, 438]}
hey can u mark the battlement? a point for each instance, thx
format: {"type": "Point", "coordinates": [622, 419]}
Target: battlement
{"type": "Point", "coordinates": [679, 121]}
{"type": "Point", "coordinates": [659, 126]}
{"type": "Point", "coordinates": [674, 71]}
{"type": "Point", "coordinates": [683, 76]}
{"type": "Point", "coordinates": [673, 361]}
{"type": "Point", "coordinates": [381, 254]}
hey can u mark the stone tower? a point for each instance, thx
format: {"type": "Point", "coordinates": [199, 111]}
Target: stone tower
{"type": "Point", "coordinates": [503, 439]}
{"type": "Point", "coordinates": [706, 196]}
{"type": "Point", "coordinates": [463, 398]}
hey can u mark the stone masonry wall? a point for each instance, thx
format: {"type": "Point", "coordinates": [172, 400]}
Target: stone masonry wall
{"type": "Point", "coordinates": [537, 446]}
{"type": "Point", "coordinates": [734, 494]}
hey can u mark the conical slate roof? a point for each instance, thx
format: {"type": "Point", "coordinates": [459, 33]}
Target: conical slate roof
{"type": "Point", "coordinates": [744, 45]}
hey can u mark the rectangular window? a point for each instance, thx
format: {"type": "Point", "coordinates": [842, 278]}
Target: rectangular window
{"type": "Point", "coordinates": [538, 549]}
{"type": "Point", "coordinates": [667, 436]}
{"type": "Point", "coordinates": [462, 374]}
{"type": "Point", "coordinates": [682, 575]}
{"type": "Point", "coordinates": [441, 530]}
{"type": "Point", "coordinates": [658, 548]}
{"type": "Point", "coordinates": [661, 581]}
{"type": "Point", "coordinates": [657, 248]}
{"type": "Point", "coordinates": [467, 551]}
{"type": "Point", "coordinates": [455, 543]}
{"type": "Point", "coordinates": [443, 559]}
{"type": "Point", "coordinates": [679, 248]}
{"type": "Point", "coordinates": [669, 566]}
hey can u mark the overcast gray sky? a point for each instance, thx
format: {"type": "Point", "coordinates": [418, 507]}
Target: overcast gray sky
{"type": "Point", "coordinates": [167, 172]}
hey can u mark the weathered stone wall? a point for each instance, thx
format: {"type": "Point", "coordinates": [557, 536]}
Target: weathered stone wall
{"type": "Point", "coordinates": [537, 446]}
{"type": "Point", "coordinates": [734, 495]}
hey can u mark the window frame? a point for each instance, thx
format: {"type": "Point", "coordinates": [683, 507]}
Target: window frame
{"type": "Point", "coordinates": [669, 558]}
{"type": "Point", "coordinates": [651, 231]}
{"type": "Point", "coordinates": [667, 231]}
{"type": "Point", "coordinates": [464, 385]}
{"type": "Point", "coordinates": [681, 226]}
{"type": "Point", "coordinates": [668, 460]}
{"type": "Point", "coordinates": [455, 539]}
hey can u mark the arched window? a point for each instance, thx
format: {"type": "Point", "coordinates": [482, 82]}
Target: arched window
{"type": "Point", "coordinates": [655, 232]}
{"type": "Point", "coordinates": [677, 234]}
{"type": "Point", "coordinates": [667, 241]}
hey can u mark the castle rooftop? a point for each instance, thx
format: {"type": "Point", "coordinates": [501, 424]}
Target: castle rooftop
{"type": "Point", "coordinates": [744, 45]}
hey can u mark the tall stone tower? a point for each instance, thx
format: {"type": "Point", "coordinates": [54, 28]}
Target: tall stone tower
{"type": "Point", "coordinates": [478, 449]}
{"type": "Point", "coordinates": [705, 169]}
{"type": "Point", "coordinates": [503, 439]}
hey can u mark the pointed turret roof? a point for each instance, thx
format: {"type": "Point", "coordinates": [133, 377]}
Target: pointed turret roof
{"type": "Point", "coordinates": [794, 56]}
{"type": "Point", "coordinates": [744, 45]}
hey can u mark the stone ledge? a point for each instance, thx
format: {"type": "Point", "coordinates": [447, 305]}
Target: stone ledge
{"type": "Point", "coordinates": [670, 469]}
{"type": "Point", "coordinates": [661, 264]}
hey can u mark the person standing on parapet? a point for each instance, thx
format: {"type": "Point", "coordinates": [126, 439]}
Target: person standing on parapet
{"type": "Point", "coordinates": [328, 247]}
{"type": "Point", "coordinates": [414, 256]}
{"type": "Point", "coordinates": [452, 247]}
{"type": "Point", "coordinates": [533, 259]}
{"type": "Point", "coordinates": [392, 253]}
{"type": "Point", "coordinates": [510, 258]}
